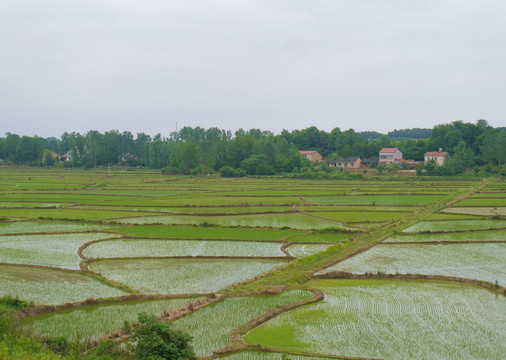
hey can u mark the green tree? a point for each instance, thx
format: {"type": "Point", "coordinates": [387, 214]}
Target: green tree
{"type": "Point", "coordinates": [155, 340]}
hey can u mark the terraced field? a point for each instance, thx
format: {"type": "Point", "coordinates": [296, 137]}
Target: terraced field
{"type": "Point", "coordinates": [69, 235]}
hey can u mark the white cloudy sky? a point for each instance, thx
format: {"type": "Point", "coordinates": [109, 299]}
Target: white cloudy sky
{"type": "Point", "coordinates": [144, 65]}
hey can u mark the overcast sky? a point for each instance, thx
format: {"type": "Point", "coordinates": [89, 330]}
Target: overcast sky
{"type": "Point", "coordinates": [144, 66]}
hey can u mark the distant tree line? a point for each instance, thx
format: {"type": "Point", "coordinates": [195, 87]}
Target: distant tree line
{"type": "Point", "coordinates": [253, 152]}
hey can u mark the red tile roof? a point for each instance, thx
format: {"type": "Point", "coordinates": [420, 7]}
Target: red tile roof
{"type": "Point", "coordinates": [436, 153]}
{"type": "Point", "coordinates": [388, 150]}
{"type": "Point", "coordinates": [308, 152]}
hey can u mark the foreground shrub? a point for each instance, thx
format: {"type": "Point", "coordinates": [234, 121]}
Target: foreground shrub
{"type": "Point", "coordinates": [154, 340]}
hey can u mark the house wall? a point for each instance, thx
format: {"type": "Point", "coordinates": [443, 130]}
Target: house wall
{"type": "Point", "coordinates": [316, 157]}
{"type": "Point", "coordinates": [439, 159]}
{"type": "Point", "coordinates": [389, 157]}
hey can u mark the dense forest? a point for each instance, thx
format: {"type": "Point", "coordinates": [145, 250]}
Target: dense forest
{"type": "Point", "coordinates": [254, 152]}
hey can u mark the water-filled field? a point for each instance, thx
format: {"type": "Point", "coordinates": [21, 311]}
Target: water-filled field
{"type": "Point", "coordinates": [456, 225]}
{"type": "Point", "coordinates": [212, 325]}
{"type": "Point", "coordinates": [57, 250]}
{"type": "Point", "coordinates": [392, 320]}
{"type": "Point", "coordinates": [49, 287]}
{"type": "Point", "coordinates": [181, 276]}
{"type": "Point", "coordinates": [94, 321]}
{"type": "Point", "coordinates": [141, 231]}
{"type": "Point", "coordinates": [294, 221]}
{"type": "Point", "coordinates": [487, 235]}
{"type": "Point", "coordinates": [172, 248]}
{"type": "Point", "coordinates": [473, 261]}
{"type": "Point", "coordinates": [37, 227]}
{"type": "Point", "coordinates": [482, 211]}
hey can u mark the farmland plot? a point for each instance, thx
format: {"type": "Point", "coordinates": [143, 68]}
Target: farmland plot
{"type": "Point", "coordinates": [51, 287]}
{"type": "Point", "coordinates": [375, 199]}
{"type": "Point", "coordinates": [487, 235]}
{"type": "Point", "coordinates": [361, 216]}
{"type": "Point", "coordinates": [482, 211]}
{"type": "Point", "coordinates": [302, 250]}
{"type": "Point", "coordinates": [498, 202]}
{"type": "Point", "coordinates": [27, 227]}
{"type": "Point", "coordinates": [193, 232]}
{"type": "Point", "coordinates": [93, 321]}
{"type": "Point", "coordinates": [160, 248]}
{"type": "Point", "coordinates": [57, 250]}
{"type": "Point", "coordinates": [473, 261]}
{"type": "Point", "coordinates": [322, 238]}
{"type": "Point", "coordinates": [263, 355]}
{"type": "Point", "coordinates": [455, 225]}
{"type": "Point", "coordinates": [211, 326]}
{"type": "Point", "coordinates": [181, 276]}
{"type": "Point", "coordinates": [294, 221]}
{"type": "Point", "coordinates": [392, 320]}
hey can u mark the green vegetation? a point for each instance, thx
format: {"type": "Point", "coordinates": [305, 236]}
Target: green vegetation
{"type": "Point", "coordinates": [193, 232]}
{"type": "Point", "coordinates": [155, 340]}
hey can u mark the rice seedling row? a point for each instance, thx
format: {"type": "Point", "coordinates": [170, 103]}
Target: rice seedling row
{"type": "Point", "coordinates": [294, 221]}
{"type": "Point", "coordinates": [455, 225]}
{"type": "Point", "coordinates": [27, 227]}
{"type": "Point", "coordinates": [50, 286]}
{"type": "Point", "coordinates": [392, 320]}
{"type": "Point", "coordinates": [485, 236]}
{"type": "Point", "coordinates": [173, 248]}
{"type": "Point", "coordinates": [481, 211]}
{"type": "Point", "coordinates": [56, 250]}
{"type": "Point", "coordinates": [472, 261]}
{"type": "Point", "coordinates": [181, 276]}
{"type": "Point", "coordinates": [211, 326]}
{"type": "Point", "coordinates": [93, 321]}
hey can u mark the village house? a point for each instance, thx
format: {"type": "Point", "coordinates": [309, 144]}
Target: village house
{"type": "Point", "coordinates": [350, 163]}
{"type": "Point", "coordinates": [390, 156]}
{"type": "Point", "coordinates": [439, 156]}
{"type": "Point", "coordinates": [312, 155]}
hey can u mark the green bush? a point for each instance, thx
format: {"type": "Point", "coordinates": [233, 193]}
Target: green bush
{"type": "Point", "coordinates": [154, 340]}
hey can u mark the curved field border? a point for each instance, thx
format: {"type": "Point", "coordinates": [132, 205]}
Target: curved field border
{"type": "Point", "coordinates": [346, 275]}
{"type": "Point", "coordinates": [83, 272]}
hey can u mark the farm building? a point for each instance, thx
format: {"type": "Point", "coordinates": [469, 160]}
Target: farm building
{"type": "Point", "coordinates": [312, 155]}
{"type": "Point", "coordinates": [439, 156]}
{"type": "Point", "coordinates": [390, 155]}
{"type": "Point", "coordinates": [349, 163]}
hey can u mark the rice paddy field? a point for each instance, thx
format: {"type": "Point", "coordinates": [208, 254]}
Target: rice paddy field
{"type": "Point", "coordinates": [392, 320]}
{"type": "Point", "coordinates": [69, 235]}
